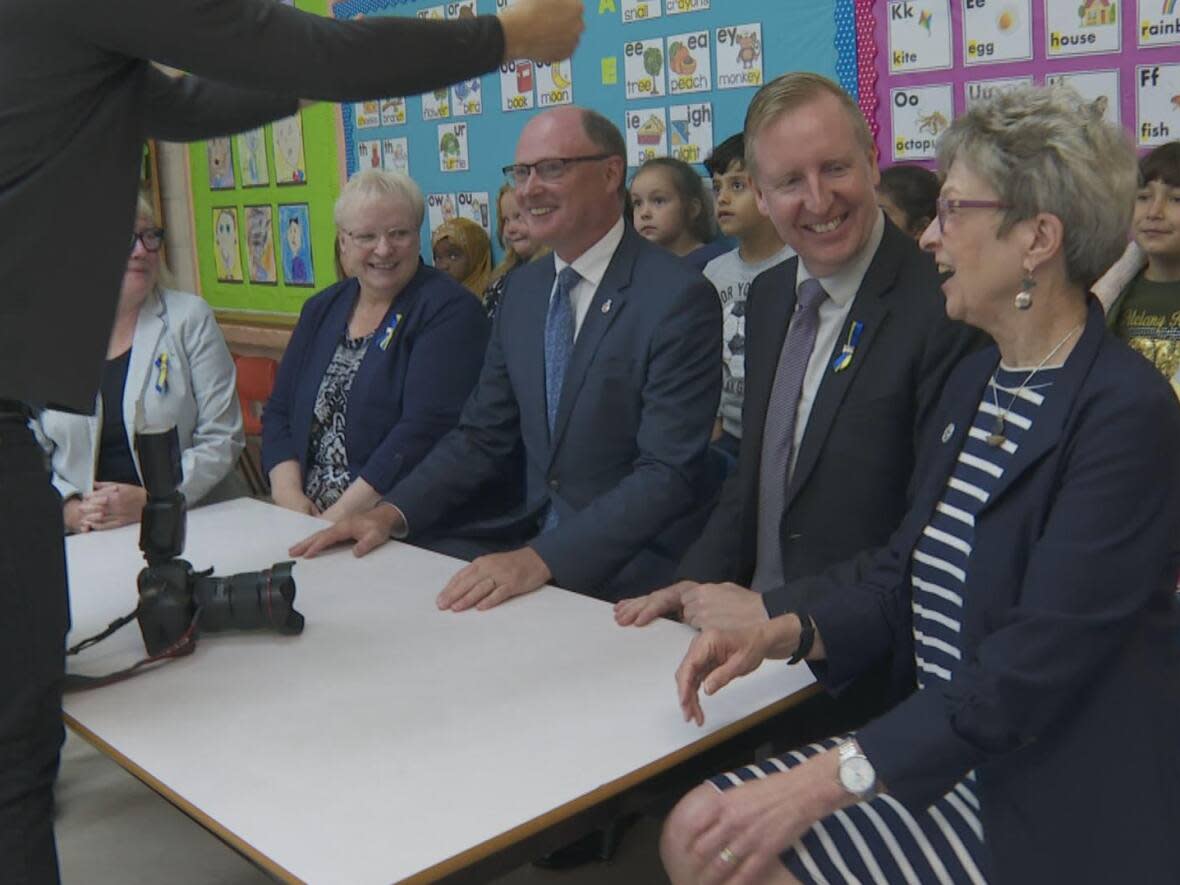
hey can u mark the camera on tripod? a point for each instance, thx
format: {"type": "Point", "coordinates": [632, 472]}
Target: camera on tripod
{"type": "Point", "coordinates": [176, 603]}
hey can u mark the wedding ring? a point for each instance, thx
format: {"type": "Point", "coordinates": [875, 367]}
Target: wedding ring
{"type": "Point", "coordinates": [727, 856]}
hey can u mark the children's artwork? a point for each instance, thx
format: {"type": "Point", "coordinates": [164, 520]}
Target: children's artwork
{"type": "Point", "coordinates": [439, 208]}
{"type": "Point", "coordinates": [555, 83]}
{"type": "Point", "coordinates": [395, 155]}
{"type": "Point", "coordinates": [1083, 28]}
{"type": "Point", "coordinates": [461, 9]}
{"type": "Point", "coordinates": [467, 98]}
{"type": "Point", "coordinates": [640, 10]}
{"type": "Point", "coordinates": [436, 105]}
{"type": "Point", "coordinates": [393, 111]}
{"type": "Point", "coordinates": [920, 115]}
{"type": "Point", "coordinates": [260, 244]}
{"type": "Point", "coordinates": [643, 68]}
{"type": "Point", "coordinates": [452, 148]}
{"type": "Point", "coordinates": [919, 35]}
{"type": "Point", "coordinates": [227, 255]}
{"type": "Point", "coordinates": [295, 233]}
{"type": "Point", "coordinates": [1100, 87]}
{"type": "Point", "coordinates": [739, 56]}
{"type": "Point", "coordinates": [517, 79]}
{"type": "Point", "coordinates": [474, 205]}
{"type": "Point", "coordinates": [290, 167]}
{"type": "Point", "coordinates": [689, 68]}
{"type": "Point", "coordinates": [367, 114]}
{"type": "Point", "coordinates": [647, 132]}
{"type": "Point", "coordinates": [252, 165]}
{"type": "Point", "coordinates": [690, 131]}
{"type": "Point", "coordinates": [368, 154]}
{"type": "Point", "coordinates": [993, 33]}
{"type": "Point", "coordinates": [221, 166]}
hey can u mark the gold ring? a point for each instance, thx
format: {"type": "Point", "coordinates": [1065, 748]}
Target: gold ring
{"type": "Point", "coordinates": [727, 856]}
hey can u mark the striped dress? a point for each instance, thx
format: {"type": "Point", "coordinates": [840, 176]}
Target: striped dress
{"type": "Point", "coordinates": [881, 841]}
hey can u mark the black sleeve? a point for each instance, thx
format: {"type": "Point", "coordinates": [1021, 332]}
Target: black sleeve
{"type": "Point", "coordinates": [264, 45]}
{"type": "Point", "coordinates": [193, 108]}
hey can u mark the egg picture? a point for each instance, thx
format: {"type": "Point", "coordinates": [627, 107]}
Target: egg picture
{"type": "Point", "coordinates": [1007, 20]}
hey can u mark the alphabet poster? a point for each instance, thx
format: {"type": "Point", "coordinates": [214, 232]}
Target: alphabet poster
{"type": "Point", "coordinates": [1158, 104]}
{"type": "Point", "coordinates": [452, 147]}
{"type": "Point", "coordinates": [474, 206]}
{"type": "Point", "coordinates": [555, 83]}
{"type": "Point", "coordinates": [517, 82]}
{"type": "Point", "coordinates": [690, 131]}
{"type": "Point", "coordinates": [227, 253]}
{"type": "Point", "coordinates": [739, 56]}
{"type": "Point", "coordinates": [439, 208]}
{"type": "Point", "coordinates": [920, 114]}
{"type": "Point", "coordinates": [295, 239]}
{"type": "Point", "coordinates": [647, 135]}
{"type": "Point", "coordinates": [643, 68]}
{"type": "Point", "coordinates": [919, 36]}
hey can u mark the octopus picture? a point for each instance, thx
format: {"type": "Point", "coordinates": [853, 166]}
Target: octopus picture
{"type": "Point", "coordinates": [933, 123]}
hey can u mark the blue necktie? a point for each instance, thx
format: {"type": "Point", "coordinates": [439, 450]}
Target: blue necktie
{"type": "Point", "coordinates": [778, 436]}
{"type": "Point", "coordinates": [559, 344]}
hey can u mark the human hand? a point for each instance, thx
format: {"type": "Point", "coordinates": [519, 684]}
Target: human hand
{"type": "Point", "coordinates": [713, 660]}
{"type": "Point", "coordinates": [112, 504]}
{"type": "Point", "coordinates": [492, 579]}
{"type": "Point", "coordinates": [722, 607]}
{"type": "Point", "coordinates": [294, 499]}
{"type": "Point", "coordinates": [543, 30]}
{"type": "Point", "coordinates": [370, 530]}
{"type": "Point", "coordinates": [71, 512]}
{"type": "Point", "coordinates": [642, 610]}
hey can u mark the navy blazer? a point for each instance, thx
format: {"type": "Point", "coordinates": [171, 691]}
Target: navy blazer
{"type": "Point", "coordinates": [1067, 699]}
{"type": "Point", "coordinates": [405, 396]}
{"type": "Point", "coordinates": [625, 469]}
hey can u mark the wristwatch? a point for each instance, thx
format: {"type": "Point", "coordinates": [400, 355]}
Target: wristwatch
{"type": "Point", "coordinates": [856, 772]}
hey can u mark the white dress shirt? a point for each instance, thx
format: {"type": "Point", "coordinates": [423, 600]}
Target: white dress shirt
{"type": "Point", "coordinates": [591, 265]}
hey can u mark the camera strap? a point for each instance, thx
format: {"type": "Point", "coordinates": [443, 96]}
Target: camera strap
{"type": "Point", "coordinates": [185, 645]}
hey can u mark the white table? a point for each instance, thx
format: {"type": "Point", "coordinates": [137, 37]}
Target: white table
{"type": "Point", "coordinates": [390, 741]}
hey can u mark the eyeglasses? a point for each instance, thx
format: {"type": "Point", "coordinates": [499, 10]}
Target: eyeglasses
{"type": "Point", "coordinates": [368, 240]}
{"type": "Point", "coordinates": [547, 170]}
{"type": "Point", "coordinates": [152, 238]}
{"type": "Point", "coordinates": [947, 208]}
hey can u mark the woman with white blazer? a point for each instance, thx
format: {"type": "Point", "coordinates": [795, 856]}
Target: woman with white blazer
{"type": "Point", "coordinates": [167, 364]}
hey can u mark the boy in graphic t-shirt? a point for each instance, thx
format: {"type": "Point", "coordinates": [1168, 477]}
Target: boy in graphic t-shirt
{"type": "Point", "coordinates": [1147, 313]}
{"type": "Point", "coordinates": [759, 248]}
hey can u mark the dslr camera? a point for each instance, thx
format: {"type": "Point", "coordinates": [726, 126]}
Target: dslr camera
{"type": "Point", "coordinates": [176, 603]}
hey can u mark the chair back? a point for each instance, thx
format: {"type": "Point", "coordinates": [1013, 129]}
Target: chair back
{"type": "Point", "coordinates": [256, 380]}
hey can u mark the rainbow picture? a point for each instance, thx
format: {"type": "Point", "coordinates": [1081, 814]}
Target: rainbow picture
{"type": "Point", "coordinates": [1169, 7]}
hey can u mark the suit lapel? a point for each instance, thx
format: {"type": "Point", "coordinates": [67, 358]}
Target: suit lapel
{"type": "Point", "coordinates": [608, 303]}
{"type": "Point", "coordinates": [530, 345]}
{"type": "Point", "coordinates": [145, 343]}
{"type": "Point", "coordinates": [870, 308]}
{"type": "Point", "coordinates": [774, 315]}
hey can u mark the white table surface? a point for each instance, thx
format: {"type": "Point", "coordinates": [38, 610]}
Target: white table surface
{"type": "Point", "coordinates": [389, 737]}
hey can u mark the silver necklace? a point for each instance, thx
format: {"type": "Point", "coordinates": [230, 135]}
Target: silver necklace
{"type": "Point", "coordinates": [997, 437]}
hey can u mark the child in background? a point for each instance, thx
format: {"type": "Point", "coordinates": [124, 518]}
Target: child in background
{"type": "Point", "coordinates": [513, 233]}
{"type": "Point", "coordinates": [1146, 313]}
{"type": "Point", "coordinates": [670, 207]}
{"type": "Point", "coordinates": [908, 195]}
{"type": "Point", "coordinates": [759, 248]}
{"type": "Point", "coordinates": [462, 250]}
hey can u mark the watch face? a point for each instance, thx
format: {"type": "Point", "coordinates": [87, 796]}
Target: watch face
{"type": "Point", "coordinates": [857, 775]}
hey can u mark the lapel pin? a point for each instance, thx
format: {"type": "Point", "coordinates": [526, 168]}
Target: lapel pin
{"type": "Point", "coordinates": [606, 306]}
{"type": "Point", "coordinates": [844, 358]}
{"type": "Point", "coordinates": [948, 432]}
{"type": "Point", "coordinates": [389, 330]}
{"type": "Point", "coordinates": [162, 373]}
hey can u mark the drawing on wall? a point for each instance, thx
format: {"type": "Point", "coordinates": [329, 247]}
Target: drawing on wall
{"type": "Point", "coordinates": [221, 166]}
{"type": "Point", "coordinates": [227, 255]}
{"type": "Point", "coordinates": [252, 165]}
{"type": "Point", "coordinates": [260, 245]}
{"type": "Point", "coordinates": [295, 234]}
{"type": "Point", "coordinates": [290, 166]}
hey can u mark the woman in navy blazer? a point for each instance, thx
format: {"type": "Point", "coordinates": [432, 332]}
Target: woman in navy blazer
{"type": "Point", "coordinates": [378, 366]}
{"type": "Point", "coordinates": [1026, 606]}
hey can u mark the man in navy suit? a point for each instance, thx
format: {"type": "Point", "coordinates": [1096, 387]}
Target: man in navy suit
{"type": "Point", "coordinates": [883, 347]}
{"type": "Point", "coordinates": [605, 364]}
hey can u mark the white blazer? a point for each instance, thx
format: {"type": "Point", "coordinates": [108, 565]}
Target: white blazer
{"type": "Point", "coordinates": [199, 397]}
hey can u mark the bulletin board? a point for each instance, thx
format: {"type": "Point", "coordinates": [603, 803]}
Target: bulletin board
{"type": "Point", "coordinates": [931, 60]}
{"type": "Point", "coordinates": [262, 210]}
{"type": "Point", "coordinates": [675, 75]}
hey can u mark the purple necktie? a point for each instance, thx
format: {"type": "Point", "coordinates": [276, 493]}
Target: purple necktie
{"type": "Point", "coordinates": [559, 344]}
{"type": "Point", "coordinates": [778, 435]}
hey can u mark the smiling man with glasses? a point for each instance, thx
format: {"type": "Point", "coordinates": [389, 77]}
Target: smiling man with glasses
{"type": "Point", "coordinates": [605, 362]}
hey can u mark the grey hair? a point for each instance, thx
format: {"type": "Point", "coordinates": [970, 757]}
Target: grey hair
{"type": "Point", "coordinates": [373, 184]}
{"type": "Point", "coordinates": [1045, 149]}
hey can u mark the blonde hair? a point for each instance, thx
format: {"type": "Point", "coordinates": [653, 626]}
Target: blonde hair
{"type": "Point", "coordinates": [791, 91]}
{"type": "Point", "coordinates": [1045, 149]}
{"type": "Point", "coordinates": [511, 260]}
{"type": "Point", "coordinates": [145, 210]}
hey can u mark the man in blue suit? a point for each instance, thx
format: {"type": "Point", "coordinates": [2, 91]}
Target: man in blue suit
{"type": "Point", "coordinates": [605, 364]}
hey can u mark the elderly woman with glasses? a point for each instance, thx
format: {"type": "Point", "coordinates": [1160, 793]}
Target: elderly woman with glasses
{"type": "Point", "coordinates": [167, 364]}
{"type": "Point", "coordinates": [1025, 605]}
{"type": "Point", "coordinates": [379, 364]}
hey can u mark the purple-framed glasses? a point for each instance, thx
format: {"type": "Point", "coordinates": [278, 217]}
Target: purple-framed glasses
{"type": "Point", "coordinates": [946, 208]}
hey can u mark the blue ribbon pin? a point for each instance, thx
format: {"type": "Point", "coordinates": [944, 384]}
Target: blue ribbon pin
{"type": "Point", "coordinates": [387, 337]}
{"type": "Point", "coordinates": [844, 358]}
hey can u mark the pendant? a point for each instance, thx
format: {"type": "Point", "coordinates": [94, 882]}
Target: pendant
{"type": "Point", "coordinates": [996, 437]}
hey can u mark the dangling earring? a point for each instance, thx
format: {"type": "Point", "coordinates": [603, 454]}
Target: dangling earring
{"type": "Point", "coordinates": [1023, 300]}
